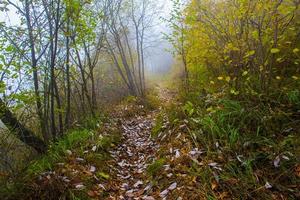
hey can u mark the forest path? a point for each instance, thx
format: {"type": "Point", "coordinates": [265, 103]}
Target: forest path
{"type": "Point", "coordinates": [136, 152]}
{"type": "Point", "coordinates": [131, 158]}
{"type": "Point", "coordinates": [165, 95]}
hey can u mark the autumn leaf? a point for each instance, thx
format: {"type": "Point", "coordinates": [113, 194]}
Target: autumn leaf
{"type": "Point", "coordinates": [275, 50]}
{"type": "Point", "coordinates": [92, 193]}
{"type": "Point", "coordinates": [296, 50]}
{"type": "Point", "coordinates": [214, 185]}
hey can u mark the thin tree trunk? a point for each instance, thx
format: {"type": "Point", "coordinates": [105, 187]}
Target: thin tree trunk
{"type": "Point", "coordinates": [68, 106]}
{"type": "Point", "coordinates": [24, 134]}
{"type": "Point", "coordinates": [84, 82]}
{"type": "Point", "coordinates": [35, 73]}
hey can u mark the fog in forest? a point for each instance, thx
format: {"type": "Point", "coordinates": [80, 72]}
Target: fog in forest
{"type": "Point", "coordinates": [158, 57]}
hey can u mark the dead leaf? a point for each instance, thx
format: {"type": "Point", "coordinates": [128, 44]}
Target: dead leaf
{"type": "Point", "coordinates": [148, 198]}
{"type": "Point", "coordinates": [277, 162]}
{"type": "Point", "coordinates": [92, 169]}
{"type": "Point", "coordinates": [94, 148]}
{"type": "Point", "coordinates": [214, 185]}
{"type": "Point", "coordinates": [268, 185]}
{"type": "Point", "coordinates": [79, 186]}
{"type": "Point", "coordinates": [172, 186]}
{"type": "Point", "coordinates": [137, 184]}
{"type": "Point", "coordinates": [164, 193]}
{"type": "Point", "coordinates": [92, 193]}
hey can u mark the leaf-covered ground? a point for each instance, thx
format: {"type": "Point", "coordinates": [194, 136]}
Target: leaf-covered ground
{"type": "Point", "coordinates": [145, 150]}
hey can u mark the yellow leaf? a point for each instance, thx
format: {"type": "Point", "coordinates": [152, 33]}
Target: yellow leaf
{"type": "Point", "coordinates": [228, 78]}
{"type": "Point", "coordinates": [220, 78]}
{"type": "Point", "coordinates": [296, 50]}
{"type": "Point", "coordinates": [232, 91]}
{"type": "Point", "coordinates": [250, 53]}
{"type": "Point", "coordinates": [279, 60]}
{"type": "Point", "coordinates": [261, 68]}
{"type": "Point", "coordinates": [210, 109]}
{"type": "Point", "coordinates": [275, 50]}
{"type": "Point", "coordinates": [212, 82]}
{"type": "Point", "coordinates": [245, 73]}
{"type": "Point", "coordinates": [295, 77]}
{"type": "Point", "coordinates": [278, 77]}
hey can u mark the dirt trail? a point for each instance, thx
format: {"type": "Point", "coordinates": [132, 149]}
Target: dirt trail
{"type": "Point", "coordinates": [165, 95]}
{"type": "Point", "coordinates": [131, 158]}
{"type": "Point", "coordinates": [135, 153]}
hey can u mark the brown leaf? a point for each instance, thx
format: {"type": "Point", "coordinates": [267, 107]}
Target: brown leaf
{"type": "Point", "coordinates": [232, 181]}
{"type": "Point", "coordinates": [92, 193]}
{"type": "Point", "coordinates": [224, 195]}
{"type": "Point", "coordinates": [214, 185]}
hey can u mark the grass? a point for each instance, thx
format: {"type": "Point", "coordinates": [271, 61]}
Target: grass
{"type": "Point", "coordinates": [246, 139]}
{"type": "Point", "coordinates": [157, 128]}
{"type": "Point", "coordinates": [61, 158]}
{"type": "Point", "coordinates": [58, 150]}
{"type": "Point", "coordinates": [154, 168]}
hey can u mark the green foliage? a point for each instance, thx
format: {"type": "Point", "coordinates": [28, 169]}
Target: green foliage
{"type": "Point", "coordinates": [103, 175]}
{"type": "Point", "coordinates": [157, 128]}
{"type": "Point", "coordinates": [294, 97]}
{"type": "Point", "coordinates": [244, 137]}
{"type": "Point", "coordinates": [57, 151]}
{"type": "Point", "coordinates": [189, 108]}
{"type": "Point", "coordinates": [91, 123]}
{"type": "Point", "coordinates": [221, 53]}
{"type": "Point", "coordinates": [151, 101]}
{"type": "Point", "coordinates": [108, 141]}
{"type": "Point", "coordinates": [154, 168]}
{"type": "Point", "coordinates": [130, 99]}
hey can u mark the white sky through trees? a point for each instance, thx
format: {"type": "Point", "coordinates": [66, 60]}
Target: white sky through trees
{"type": "Point", "coordinates": [157, 58]}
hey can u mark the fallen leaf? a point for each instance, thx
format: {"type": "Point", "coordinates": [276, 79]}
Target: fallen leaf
{"type": "Point", "coordinates": [213, 164]}
{"type": "Point", "coordinates": [137, 184]}
{"type": "Point", "coordinates": [92, 169]}
{"type": "Point", "coordinates": [148, 198]}
{"type": "Point", "coordinates": [164, 193]}
{"type": "Point", "coordinates": [177, 154]}
{"type": "Point", "coordinates": [268, 185]}
{"type": "Point", "coordinates": [79, 159]}
{"type": "Point", "coordinates": [214, 185]}
{"type": "Point", "coordinates": [94, 148]}
{"type": "Point", "coordinates": [129, 193]}
{"type": "Point", "coordinates": [277, 161]}
{"type": "Point", "coordinates": [101, 186]}
{"type": "Point", "coordinates": [172, 186]}
{"type": "Point", "coordinates": [79, 186]}
{"type": "Point", "coordinates": [92, 193]}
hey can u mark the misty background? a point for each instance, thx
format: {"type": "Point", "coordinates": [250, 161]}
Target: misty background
{"type": "Point", "coordinates": [158, 57]}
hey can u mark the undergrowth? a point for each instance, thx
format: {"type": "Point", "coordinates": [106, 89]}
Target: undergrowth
{"type": "Point", "coordinates": [251, 148]}
{"type": "Point", "coordinates": [52, 175]}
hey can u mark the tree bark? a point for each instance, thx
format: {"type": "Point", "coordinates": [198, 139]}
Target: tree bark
{"type": "Point", "coordinates": [68, 107]}
{"type": "Point", "coordinates": [22, 133]}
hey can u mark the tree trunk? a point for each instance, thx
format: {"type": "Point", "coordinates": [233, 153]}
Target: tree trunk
{"type": "Point", "coordinates": [35, 72]}
{"type": "Point", "coordinates": [20, 130]}
{"type": "Point", "coordinates": [68, 107]}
